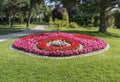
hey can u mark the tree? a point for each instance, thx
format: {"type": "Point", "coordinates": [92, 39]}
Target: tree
{"type": "Point", "coordinates": [11, 8]}
{"type": "Point", "coordinates": [101, 7]}
{"type": "Point", "coordinates": [95, 6]}
{"type": "Point", "coordinates": [3, 6]}
{"type": "Point", "coordinates": [18, 11]}
{"type": "Point", "coordinates": [65, 18]}
{"type": "Point", "coordinates": [117, 18]}
{"type": "Point", "coordinates": [59, 18]}
{"type": "Point", "coordinates": [33, 4]}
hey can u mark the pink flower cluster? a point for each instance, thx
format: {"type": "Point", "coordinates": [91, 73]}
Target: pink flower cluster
{"type": "Point", "coordinates": [37, 44]}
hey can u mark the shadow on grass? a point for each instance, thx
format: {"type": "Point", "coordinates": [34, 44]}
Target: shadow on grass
{"type": "Point", "coordinates": [8, 30]}
{"type": "Point", "coordinates": [94, 33]}
{"type": "Point", "coordinates": [41, 23]}
{"type": "Point", "coordinates": [20, 34]}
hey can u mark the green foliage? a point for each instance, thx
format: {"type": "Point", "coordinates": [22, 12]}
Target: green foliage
{"type": "Point", "coordinates": [47, 13]}
{"type": "Point", "coordinates": [111, 21]}
{"type": "Point", "coordinates": [51, 21]}
{"type": "Point", "coordinates": [60, 23]}
{"type": "Point", "coordinates": [84, 19]}
{"type": "Point", "coordinates": [117, 18]}
{"type": "Point", "coordinates": [65, 18]}
{"type": "Point", "coordinates": [73, 25]}
{"type": "Point", "coordinates": [96, 21]}
{"type": "Point", "coordinates": [17, 11]}
{"type": "Point", "coordinates": [69, 3]}
{"type": "Point", "coordinates": [10, 10]}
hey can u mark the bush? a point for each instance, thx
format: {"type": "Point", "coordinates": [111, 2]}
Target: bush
{"type": "Point", "coordinates": [83, 19]}
{"type": "Point", "coordinates": [65, 18]}
{"type": "Point", "coordinates": [111, 21]}
{"type": "Point", "coordinates": [58, 22]}
{"type": "Point", "coordinates": [73, 25]}
{"type": "Point", "coordinates": [117, 18]}
{"type": "Point", "coordinates": [51, 21]}
{"type": "Point", "coordinates": [96, 22]}
{"type": "Point", "coordinates": [64, 21]}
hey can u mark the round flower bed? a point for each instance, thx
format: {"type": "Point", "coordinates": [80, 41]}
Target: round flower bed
{"type": "Point", "coordinates": [59, 44]}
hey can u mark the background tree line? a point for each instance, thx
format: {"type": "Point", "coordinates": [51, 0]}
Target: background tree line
{"type": "Point", "coordinates": [19, 11]}
{"type": "Point", "coordinates": [93, 12]}
{"type": "Point", "coordinates": [90, 13]}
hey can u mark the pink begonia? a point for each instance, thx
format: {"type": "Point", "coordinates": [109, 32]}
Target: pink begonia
{"type": "Point", "coordinates": [31, 43]}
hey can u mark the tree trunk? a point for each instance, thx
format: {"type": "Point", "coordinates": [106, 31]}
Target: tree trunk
{"type": "Point", "coordinates": [58, 29]}
{"type": "Point", "coordinates": [7, 17]}
{"type": "Point", "coordinates": [103, 22]}
{"type": "Point", "coordinates": [32, 5]}
{"type": "Point", "coordinates": [29, 17]}
{"type": "Point", "coordinates": [9, 20]}
{"type": "Point", "coordinates": [2, 19]}
{"type": "Point", "coordinates": [12, 21]}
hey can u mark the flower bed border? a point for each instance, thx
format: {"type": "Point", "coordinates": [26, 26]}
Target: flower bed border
{"type": "Point", "coordinates": [66, 57]}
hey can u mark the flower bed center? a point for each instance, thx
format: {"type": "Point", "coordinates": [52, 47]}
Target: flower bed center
{"type": "Point", "coordinates": [58, 43]}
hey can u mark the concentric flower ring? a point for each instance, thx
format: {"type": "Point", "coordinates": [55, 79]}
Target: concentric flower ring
{"type": "Point", "coordinates": [37, 44]}
{"type": "Point", "coordinates": [42, 44]}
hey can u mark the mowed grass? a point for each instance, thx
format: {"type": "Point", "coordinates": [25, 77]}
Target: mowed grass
{"type": "Point", "coordinates": [105, 67]}
{"type": "Point", "coordinates": [4, 29]}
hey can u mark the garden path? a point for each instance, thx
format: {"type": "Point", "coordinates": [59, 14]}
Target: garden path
{"type": "Point", "coordinates": [37, 29]}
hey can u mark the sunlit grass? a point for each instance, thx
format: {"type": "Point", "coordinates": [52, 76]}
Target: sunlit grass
{"type": "Point", "coordinates": [105, 67]}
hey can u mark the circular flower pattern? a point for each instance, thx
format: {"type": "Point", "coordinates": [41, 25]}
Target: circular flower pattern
{"type": "Point", "coordinates": [59, 44]}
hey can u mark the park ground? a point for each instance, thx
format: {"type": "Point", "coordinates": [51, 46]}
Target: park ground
{"type": "Point", "coordinates": [104, 67]}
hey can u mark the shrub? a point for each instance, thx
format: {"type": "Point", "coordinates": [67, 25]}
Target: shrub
{"type": "Point", "coordinates": [111, 21]}
{"type": "Point", "coordinates": [73, 25]}
{"type": "Point", "coordinates": [65, 18]}
{"type": "Point", "coordinates": [51, 21]}
{"type": "Point", "coordinates": [96, 22]}
{"type": "Point", "coordinates": [117, 18]}
{"type": "Point", "coordinates": [60, 22]}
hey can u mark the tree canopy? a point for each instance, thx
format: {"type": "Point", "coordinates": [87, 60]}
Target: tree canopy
{"type": "Point", "coordinates": [85, 9]}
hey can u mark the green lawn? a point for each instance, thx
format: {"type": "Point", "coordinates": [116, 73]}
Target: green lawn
{"type": "Point", "coordinates": [17, 28]}
{"type": "Point", "coordinates": [105, 67]}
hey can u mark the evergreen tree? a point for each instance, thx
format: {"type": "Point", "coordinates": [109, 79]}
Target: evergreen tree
{"type": "Point", "coordinates": [65, 18]}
